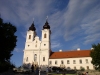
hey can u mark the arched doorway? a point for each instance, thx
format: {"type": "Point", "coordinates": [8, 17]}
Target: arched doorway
{"type": "Point", "coordinates": [35, 63]}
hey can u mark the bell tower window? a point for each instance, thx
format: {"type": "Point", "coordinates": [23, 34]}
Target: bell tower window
{"type": "Point", "coordinates": [29, 36]}
{"type": "Point", "coordinates": [45, 35]}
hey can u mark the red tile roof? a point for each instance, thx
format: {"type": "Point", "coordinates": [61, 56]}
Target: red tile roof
{"type": "Point", "coordinates": [70, 54]}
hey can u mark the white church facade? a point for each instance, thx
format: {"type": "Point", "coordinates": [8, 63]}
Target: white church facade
{"type": "Point", "coordinates": [38, 52]}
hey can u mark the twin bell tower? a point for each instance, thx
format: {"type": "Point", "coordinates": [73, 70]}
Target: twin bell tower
{"type": "Point", "coordinates": [37, 51]}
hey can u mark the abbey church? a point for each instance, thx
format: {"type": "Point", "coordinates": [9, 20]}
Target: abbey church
{"type": "Point", "coordinates": [38, 52]}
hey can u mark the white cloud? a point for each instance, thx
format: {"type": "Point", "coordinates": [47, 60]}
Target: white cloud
{"type": "Point", "coordinates": [77, 13]}
{"type": "Point", "coordinates": [55, 44]}
{"type": "Point", "coordinates": [92, 38]}
{"type": "Point", "coordinates": [77, 18]}
{"type": "Point", "coordinates": [76, 46]}
{"type": "Point", "coordinates": [17, 50]}
{"type": "Point", "coordinates": [91, 26]}
{"type": "Point", "coordinates": [23, 34]}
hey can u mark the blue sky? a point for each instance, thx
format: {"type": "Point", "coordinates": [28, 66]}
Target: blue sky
{"type": "Point", "coordinates": [74, 23]}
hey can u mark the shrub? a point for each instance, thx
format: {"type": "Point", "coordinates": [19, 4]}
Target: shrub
{"type": "Point", "coordinates": [82, 69]}
{"type": "Point", "coordinates": [5, 66]}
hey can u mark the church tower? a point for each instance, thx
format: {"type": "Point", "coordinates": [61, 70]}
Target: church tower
{"type": "Point", "coordinates": [45, 36]}
{"type": "Point", "coordinates": [30, 37]}
{"type": "Point", "coordinates": [45, 43]}
{"type": "Point", "coordinates": [28, 51]}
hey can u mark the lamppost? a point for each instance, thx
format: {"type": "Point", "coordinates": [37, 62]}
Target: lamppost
{"type": "Point", "coordinates": [39, 58]}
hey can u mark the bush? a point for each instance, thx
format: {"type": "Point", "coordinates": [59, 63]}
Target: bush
{"type": "Point", "coordinates": [5, 66]}
{"type": "Point", "coordinates": [57, 69]}
{"type": "Point", "coordinates": [82, 69]}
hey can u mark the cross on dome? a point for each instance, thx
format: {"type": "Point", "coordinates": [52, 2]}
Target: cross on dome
{"type": "Point", "coordinates": [46, 26]}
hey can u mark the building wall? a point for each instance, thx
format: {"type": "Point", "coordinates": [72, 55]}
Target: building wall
{"type": "Point", "coordinates": [40, 54]}
{"type": "Point", "coordinates": [71, 64]}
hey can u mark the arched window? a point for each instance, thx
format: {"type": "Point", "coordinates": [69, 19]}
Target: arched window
{"type": "Point", "coordinates": [75, 68]}
{"type": "Point", "coordinates": [45, 35]}
{"type": "Point", "coordinates": [74, 62]}
{"type": "Point", "coordinates": [87, 61]}
{"type": "Point", "coordinates": [43, 58]}
{"type": "Point", "coordinates": [87, 67]}
{"type": "Point", "coordinates": [62, 62]}
{"type": "Point", "coordinates": [67, 61]}
{"type": "Point", "coordinates": [27, 59]}
{"type": "Point", "coordinates": [50, 62]}
{"type": "Point", "coordinates": [29, 36]}
{"type": "Point", "coordinates": [55, 62]}
{"type": "Point", "coordinates": [80, 61]}
{"type": "Point", "coordinates": [35, 57]}
{"type": "Point", "coordinates": [35, 45]}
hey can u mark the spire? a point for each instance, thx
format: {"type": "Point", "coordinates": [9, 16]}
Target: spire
{"type": "Point", "coordinates": [32, 27]}
{"type": "Point", "coordinates": [46, 26]}
{"type": "Point", "coordinates": [47, 18]}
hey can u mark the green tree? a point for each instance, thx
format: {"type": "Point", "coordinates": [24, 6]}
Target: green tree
{"type": "Point", "coordinates": [95, 54]}
{"type": "Point", "coordinates": [8, 41]}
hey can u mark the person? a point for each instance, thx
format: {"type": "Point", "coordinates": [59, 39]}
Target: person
{"type": "Point", "coordinates": [35, 69]}
{"type": "Point", "coordinates": [47, 70]}
{"type": "Point", "coordinates": [86, 73]}
{"type": "Point", "coordinates": [50, 69]}
{"type": "Point", "coordinates": [32, 68]}
{"type": "Point", "coordinates": [57, 71]}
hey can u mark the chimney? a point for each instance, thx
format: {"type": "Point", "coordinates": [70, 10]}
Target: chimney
{"type": "Point", "coordinates": [78, 49]}
{"type": "Point", "coordinates": [60, 50]}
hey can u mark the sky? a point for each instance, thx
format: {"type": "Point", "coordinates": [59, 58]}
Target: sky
{"type": "Point", "coordinates": [74, 23]}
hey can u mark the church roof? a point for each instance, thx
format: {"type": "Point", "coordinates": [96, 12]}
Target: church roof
{"type": "Point", "coordinates": [46, 26]}
{"type": "Point", "coordinates": [32, 27]}
{"type": "Point", "coordinates": [70, 54]}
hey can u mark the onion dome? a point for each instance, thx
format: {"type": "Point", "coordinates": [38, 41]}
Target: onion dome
{"type": "Point", "coordinates": [32, 27]}
{"type": "Point", "coordinates": [46, 26]}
